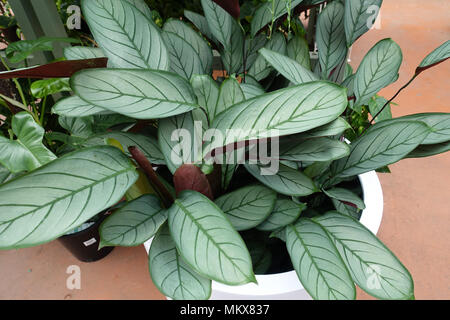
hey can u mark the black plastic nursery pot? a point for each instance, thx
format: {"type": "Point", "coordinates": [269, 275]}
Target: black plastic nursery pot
{"type": "Point", "coordinates": [84, 244]}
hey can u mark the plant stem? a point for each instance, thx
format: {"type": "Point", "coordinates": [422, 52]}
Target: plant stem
{"type": "Point", "coordinates": [146, 165]}
{"type": "Point", "coordinates": [18, 86]}
{"type": "Point", "coordinates": [44, 101]}
{"type": "Point", "coordinates": [395, 96]}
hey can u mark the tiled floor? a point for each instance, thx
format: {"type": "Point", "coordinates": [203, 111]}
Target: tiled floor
{"type": "Point", "coordinates": [416, 221]}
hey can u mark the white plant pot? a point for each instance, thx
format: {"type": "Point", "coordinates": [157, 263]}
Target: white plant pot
{"type": "Point", "coordinates": [286, 286]}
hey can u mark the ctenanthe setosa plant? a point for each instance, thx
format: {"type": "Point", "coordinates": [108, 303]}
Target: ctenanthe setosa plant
{"type": "Point", "coordinates": [183, 148]}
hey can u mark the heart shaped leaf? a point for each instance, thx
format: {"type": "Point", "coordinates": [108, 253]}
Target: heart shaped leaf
{"type": "Point", "coordinates": [27, 152]}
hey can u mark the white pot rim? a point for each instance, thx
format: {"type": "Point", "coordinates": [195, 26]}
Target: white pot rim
{"type": "Point", "coordinates": [284, 283]}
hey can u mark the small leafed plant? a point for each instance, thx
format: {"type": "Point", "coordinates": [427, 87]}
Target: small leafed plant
{"type": "Point", "coordinates": [134, 131]}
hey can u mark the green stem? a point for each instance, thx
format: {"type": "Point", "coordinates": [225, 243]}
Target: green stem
{"type": "Point", "coordinates": [18, 86]}
{"type": "Point", "coordinates": [44, 101]}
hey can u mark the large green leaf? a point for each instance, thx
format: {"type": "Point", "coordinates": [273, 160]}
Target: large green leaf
{"type": "Point", "coordinates": [207, 92]}
{"type": "Point", "coordinates": [428, 150]}
{"type": "Point", "coordinates": [286, 180]}
{"type": "Point", "coordinates": [438, 122]}
{"type": "Point", "coordinates": [284, 112]}
{"type": "Point", "coordinates": [268, 11]}
{"type": "Point", "coordinates": [289, 68]}
{"type": "Point", "coordinates": [127, 37]}
{"type": "Point", "coordinates": [42, 88]}
{"type": "Point", "coordinates": [76, 107]}
{"type": "Point", "coordinates": [207, 241]}
{"type": "Point", "coordinates": [134, 223]}
{"type": "Point", "coordinates": [359, 17]}
{"type": "Point", "coordinates": [317, 262]}
{"type": "Point", "coordinates": [318, 149]}
{"type": "Point", "coordinates": [438, 55]}
{"type": "Point", "coordinates": [142, 6]}
{"type": "Point", "coordinates": [247, 207]}
{"type": "Point", "coordinates": [176, 138]}
{"type": "Point", "coordinates": [184, 60]}
{"type": "Point", "coordinates": [140, 94]}
{"type": "Point", "coordinates": [171, 275]}
{"type": "Point", "coordinates": [27, 152]}
{"type": "Point", "coordinates": [284, 213]}
{"type": "Point", "coordinates": [80, 53]}
{"type": "Point", "coordinates": [381, 146]}
{"type": "Point", "coordinates": [336, 127]}
{"type": "Point", "coordinates": [147, 144]}
{"type": "Point", "coordinates": [219, 21]}
{"type": "Point", "coordinates": [330, 36]}
{"type": "Point", "coordinates": [20, 50]}
{"type": "Point", "coordinates": [298, 50]}
{"type": "Point", "coordinates": [200, 46]}
{"type": "Point", "coordinates": [200, 23]}
{"type": "Point", "coordinates": [346, 195]}
{"type": "Point", "coordinates": [261, 69]}
{"type": "Point", "coordinates": [230, 94]}
{"type": "Point", "coordinates": [66, 193]}
{"type": "Point", "coordinates": [378, 69]}
{"type": "Point", "coordinates": [250, 90]}
{"type": "Point", "coordinates": [372, 266]}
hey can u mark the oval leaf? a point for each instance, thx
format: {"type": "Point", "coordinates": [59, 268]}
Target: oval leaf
{"type": "Point", "coordinates": [134, 223]}
{"type": "Point", "coordinates": [127, 37]}
{"type": "Point", "coordinates": [319, 149]}
{"type": "Point", "coordinates": [289, 68]}
{"type": "Point", "coordinates": [284, 213]}
{"type": "Point", "coordinates": [359, 17]}
{"type": "Point", "coordinates": [171, 275]}
{"type": "Point", "coordinates": [288, 111]}
{"type": "Point", "coordinates": [286, 180]}
{"type": "Point", "coordinates": [140, 94]}
{"type": "Point", "coordinates": [247, 207]}
{"type": "Point", "coordinates": [378, 69]}
{"type": "Point", "coordinates": [76, 107]}
{"type": "Point", "coordinates": [80, 53]}
{"type": "Point", "coordinates": [379, 147]}
{"type": "Point", "coordinates": [438, 55]}
{"type": "Point", "coordinates": [345, 195]}
{"type": "Point", "coordinates": [317, 262]}
{"type": "Point", "coordinates": [66, 193]}
{"type": "Point", "coordinates": [330, 36]}
{"type": "Point", "coordinates": [372, 266]}
{"type": "Point", "coordinates": [207, 241]}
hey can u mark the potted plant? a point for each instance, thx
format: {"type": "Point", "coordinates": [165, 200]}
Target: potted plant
{"type": "Point", "coordinates": [217, 204]}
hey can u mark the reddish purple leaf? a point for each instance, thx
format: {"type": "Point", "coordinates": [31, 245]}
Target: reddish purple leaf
{"type": "Point", "coordinates": [350, 204]}
{"type": "Point", "coordinates": [190, 177]}
{"type": "Point", "coordinates": [60, 69]}
{"type": "Point", "coordinates": [230, 6]}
